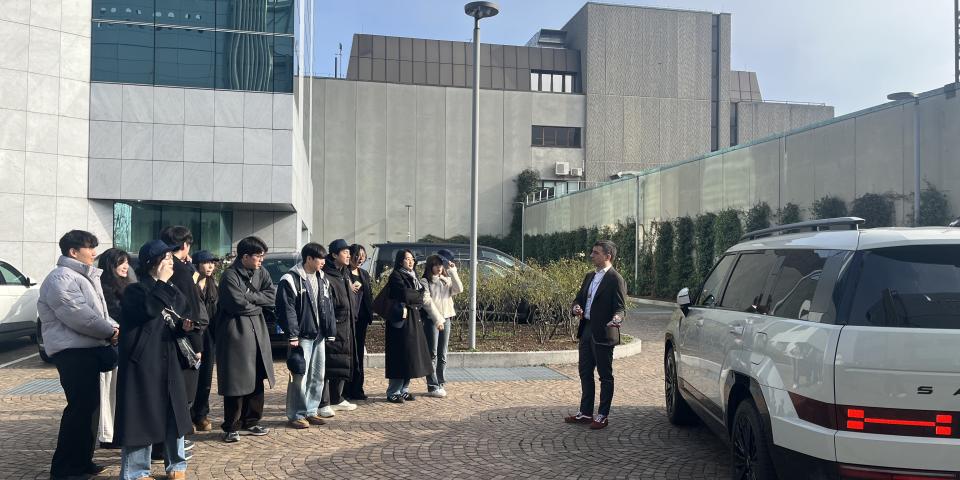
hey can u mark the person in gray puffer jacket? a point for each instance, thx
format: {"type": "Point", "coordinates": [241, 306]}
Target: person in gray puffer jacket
{"type": "Point", "coordinates": [77, 332]}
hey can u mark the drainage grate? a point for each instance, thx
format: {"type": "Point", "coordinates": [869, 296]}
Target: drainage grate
{"type": "Point", "coordinates": [515, 374]}
{"type": "Point", "coordinates": [40, 386]}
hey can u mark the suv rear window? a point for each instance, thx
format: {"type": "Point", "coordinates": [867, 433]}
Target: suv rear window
{"type": "Point", "coordinates": [908, 287]}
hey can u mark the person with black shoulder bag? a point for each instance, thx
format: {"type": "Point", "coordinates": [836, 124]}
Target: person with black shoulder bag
{"type": "Point", "coordinates": [154, 350]}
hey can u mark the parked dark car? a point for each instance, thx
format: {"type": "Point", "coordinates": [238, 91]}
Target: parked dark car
{"type": "Point", "coordinates": [277, 264]}
{"type": "Point", "coordinates": [383, 255]}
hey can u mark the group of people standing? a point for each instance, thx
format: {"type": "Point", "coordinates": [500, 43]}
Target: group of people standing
{"type": "Point", "coordinates": [136, 358]}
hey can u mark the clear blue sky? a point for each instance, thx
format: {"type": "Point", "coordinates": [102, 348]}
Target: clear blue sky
{"type": "Point", "coordinates": [847, 53]}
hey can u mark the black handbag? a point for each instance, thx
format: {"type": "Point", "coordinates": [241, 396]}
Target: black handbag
{"type": "Point", "coordinates": [107, 357]}
{"type": "Point", "coordinates": [186, 355]}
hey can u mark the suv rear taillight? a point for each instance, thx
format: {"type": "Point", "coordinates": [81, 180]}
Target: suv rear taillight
{"type": "Point", "coordinates": [854, 472]}
{"type": "Point", "coordinates": [914, 423]}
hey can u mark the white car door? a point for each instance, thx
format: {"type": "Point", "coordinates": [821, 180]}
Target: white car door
{"type": "Point", "coordinates": [18, 301]}
{"type": "Point", "coordinates": [723, 346]}
{"type": "Point", "coordinates": [690, 344]}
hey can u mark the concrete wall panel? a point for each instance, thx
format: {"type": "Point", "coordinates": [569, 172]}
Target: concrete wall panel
{"type": "Point", "coordinates": [430, 211]}
{"type": "Point", "coordinates": [370, 180]}
{"type": "Point", "coordinates": [340, 141]}
{"type": "Point", "coordinates": [401, 146]}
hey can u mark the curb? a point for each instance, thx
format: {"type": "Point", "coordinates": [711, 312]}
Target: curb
{"type": "Point", "coordinates": [513, 359]}
{"type": "Point", "coordinates": [647, 301]}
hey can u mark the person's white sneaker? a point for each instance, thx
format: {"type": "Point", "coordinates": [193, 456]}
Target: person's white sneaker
{"type": "Point", "coordinates": [438, 393]}
{"type": "Point", "coordinates": [344, 406]}
{"type": "Point", "coordinates": [326, 412]}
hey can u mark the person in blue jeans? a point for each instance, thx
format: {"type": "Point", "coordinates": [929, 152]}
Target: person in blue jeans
{"type": "Point", "coordinates": [441, 279]}
{"type": "Point", "coordinates": [305, 312]}
{"type": "Point", "coordinates": [151, 398]}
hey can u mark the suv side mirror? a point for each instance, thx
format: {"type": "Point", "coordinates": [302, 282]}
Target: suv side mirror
{"type": "Point", "coordinates": [683, 299]}
{"type": "Point", "coordinates": [29, 281]}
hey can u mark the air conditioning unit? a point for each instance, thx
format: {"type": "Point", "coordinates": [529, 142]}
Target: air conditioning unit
{"type": "Point", "coordinates": [562, 168]}
{"type": "Point", "coordinates": [576, 172]}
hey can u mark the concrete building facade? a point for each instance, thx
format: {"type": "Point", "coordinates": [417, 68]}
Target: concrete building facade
{"type": "Point", "coordinates": [630, 87]}
{"type": "Point", "coordinates": [870, 151]}
{"type": "Point", "coordinates": [123, 117]}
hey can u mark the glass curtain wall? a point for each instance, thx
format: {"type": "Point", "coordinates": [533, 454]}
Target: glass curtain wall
{"type": "Point", "coordinates": [224, 44]}
{"type": "Point", "coordinates": [137, 223]}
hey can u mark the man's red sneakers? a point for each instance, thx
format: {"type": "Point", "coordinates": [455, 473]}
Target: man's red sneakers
{"type": "Point", "coordinates": [578, 418]}
{"type": "Point", "coordinates": [599, 422]}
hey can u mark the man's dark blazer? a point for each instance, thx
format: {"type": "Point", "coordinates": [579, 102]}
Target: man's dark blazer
{"type": "Point", "coordinates": [609, 300]}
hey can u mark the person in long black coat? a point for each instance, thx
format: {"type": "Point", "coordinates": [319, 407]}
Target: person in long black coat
{"type": "Point", "coordinates": [407, 355]}
{"type": "Point", "coordinates": [244, 358]}
{"type": "Point", "coordinates": [340, 359]}
{"type": "Point", "coordinates": [151, 399]}
{"type": "Point", "coordinates": [364, 297]}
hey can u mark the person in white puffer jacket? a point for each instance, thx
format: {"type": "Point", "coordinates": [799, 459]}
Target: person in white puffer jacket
{"type": "Point", "coordinates": [441, 279]}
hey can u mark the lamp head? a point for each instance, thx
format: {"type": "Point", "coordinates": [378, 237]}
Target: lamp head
{"type": "Point", "coordinates": [902, 96]}
{"type": "Point", "coordinates": [480, 10]}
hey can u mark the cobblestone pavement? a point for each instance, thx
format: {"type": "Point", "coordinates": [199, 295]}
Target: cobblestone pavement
{"type": "Point", "coordinates": [485, 430]}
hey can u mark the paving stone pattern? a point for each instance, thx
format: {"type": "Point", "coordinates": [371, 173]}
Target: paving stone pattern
{"type": "Point", "coordinates": [484, 429]}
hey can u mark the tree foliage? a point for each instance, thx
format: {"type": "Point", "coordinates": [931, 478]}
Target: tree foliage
{"type": "Point", "coordinates": [877, 210]}
{"type": "Point", "coordinates": [934, 207]}
{"type": "Point", "coordinates": [758, 217]}
{"type": "Point", "coordinates": [682, 272]}
{"type": "Point", "coordinates": [789, 213]}
{"type": "Point", "coordinates": [727, 231]}
{"type": "Point", "coordinates": [829, 206]}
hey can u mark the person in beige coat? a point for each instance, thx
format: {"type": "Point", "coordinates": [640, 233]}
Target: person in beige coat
{"type": "Point", "coordinates": [441, 279]}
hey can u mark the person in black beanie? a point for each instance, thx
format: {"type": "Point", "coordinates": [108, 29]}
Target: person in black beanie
{"type": "Point", "coordinates": [206, 265]}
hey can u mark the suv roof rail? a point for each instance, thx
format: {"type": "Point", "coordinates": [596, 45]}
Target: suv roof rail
{"type": "Point", "coordinates": [812, 225]}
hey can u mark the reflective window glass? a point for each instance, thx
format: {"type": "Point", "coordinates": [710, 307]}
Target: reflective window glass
{"type": "Point", "coordinates": [184, 57]}
{"type": "Point", "coordinates": [280, 16]}
{"type": "Point", "coordinates": [191, 13]}
{"type": "Point", "coordinates": [283, 64]}
{"type": "Point", "coordinates": [713, 286]}
{"type": "Point", "coordinates": [796, 283]}
{"type": "Point", "coordinates": [132, 10]}
{"type": "Point", "coordinates": [246, 15]}
{"type": "Point", "coordinates": [568, 83]}
{"type": "Point", "coordinates": [534, 82]}
{"type": "Point", "coordinates": [546, 84]}
{"type": "Point", "coordinates": [122, 53]}
{"type": "Point", "coordinates": [557, 83]}
{"type": "Point", "coordinates": [745, 290]}
{"type": "Point", "coordinates": [243, 61]}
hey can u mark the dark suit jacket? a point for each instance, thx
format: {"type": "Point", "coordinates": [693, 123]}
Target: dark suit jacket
{"type": "Point", "coordinates": [609, 300]}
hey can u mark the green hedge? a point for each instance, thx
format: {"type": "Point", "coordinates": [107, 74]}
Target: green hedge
{"type": "Point", "coordinates": [790, 213]}
{"type": "Point", "coordinates": [704, 240]}
{"type": "Point", "coordinates": [876, 210]}
{"type": "Point", "coordinates": [829, 206]}
{"type": "Point", "coordinates": [934, 207]}
{"type": "Point", "coordinates": [758, 217]}
{"type": "Point", "coordinates": [727, 231]}
{"type": "Point", "coordinates": [683, 273]}
{"type": "Point", "coordinates": [662, 254]}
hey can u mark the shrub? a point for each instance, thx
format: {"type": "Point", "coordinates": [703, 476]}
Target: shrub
{"type": "Point", "coordinates": [790, 213]}
{"type": "Point", "coordinates": [645, 282]}
{"type": "Point", "coordinates": [727, 231]}
{"type": "Point", "coordinates": [758, 217]}
{"type": "Point", "coordinates": [704, 242]}
{"type": "Point", "coordinates": [829, 206]}
{"type": "Point", "coordinates": [876, 209]}
{"type": "Point", "coordinates": [682, 272]}
{"type": "Point", "coordinates": [661, 259]}
{"type": "Point", "coordinates": [934, 207]}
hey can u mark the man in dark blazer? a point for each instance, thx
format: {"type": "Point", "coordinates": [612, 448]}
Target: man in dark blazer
{"type": "Point", "coordinates": [600, 306]}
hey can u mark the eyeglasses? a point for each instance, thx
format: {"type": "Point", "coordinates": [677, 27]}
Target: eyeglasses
{"type": "Point", "coordinates": [258, 256]}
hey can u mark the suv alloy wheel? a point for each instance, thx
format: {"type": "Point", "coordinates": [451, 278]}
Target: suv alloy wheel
{"type": "Point", "coordinates": [678, 411]}
{"type": "Point", "coordinates": [749, 445]}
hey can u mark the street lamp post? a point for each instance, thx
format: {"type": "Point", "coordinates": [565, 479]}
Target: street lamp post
{"type": "Point", "coordinates": [523, 211]}
{"type": "Point", "coordinates": [477, 10]}
{"type": "Point", "coordinates": [409, 229]}
{"type": "Point", "coordinates": [907, 96]}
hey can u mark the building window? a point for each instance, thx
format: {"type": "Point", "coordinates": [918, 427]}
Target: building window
{"type": "Point", "coordinates": [195, 43]}
{"type": "Point", "coordinates": [556, 82]}
{"type": "Point", "coordinates": [559, 137]}
{"type": "Point", "coordinates": [137, 223]}
{"type": "Point", "coordinates": [556, 188]}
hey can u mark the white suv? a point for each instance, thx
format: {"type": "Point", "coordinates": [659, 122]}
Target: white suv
{"type": "Point", "coordinates": [823, 351]}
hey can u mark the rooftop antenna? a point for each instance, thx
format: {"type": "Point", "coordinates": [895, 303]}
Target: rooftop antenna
{"type": "Point", "coordinates": [340, 55]}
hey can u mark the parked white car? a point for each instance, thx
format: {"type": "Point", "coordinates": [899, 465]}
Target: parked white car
{"type": "Point", "coordinates": [18, 303]}
{"type": "Point", "coordinates": [825, 354]}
